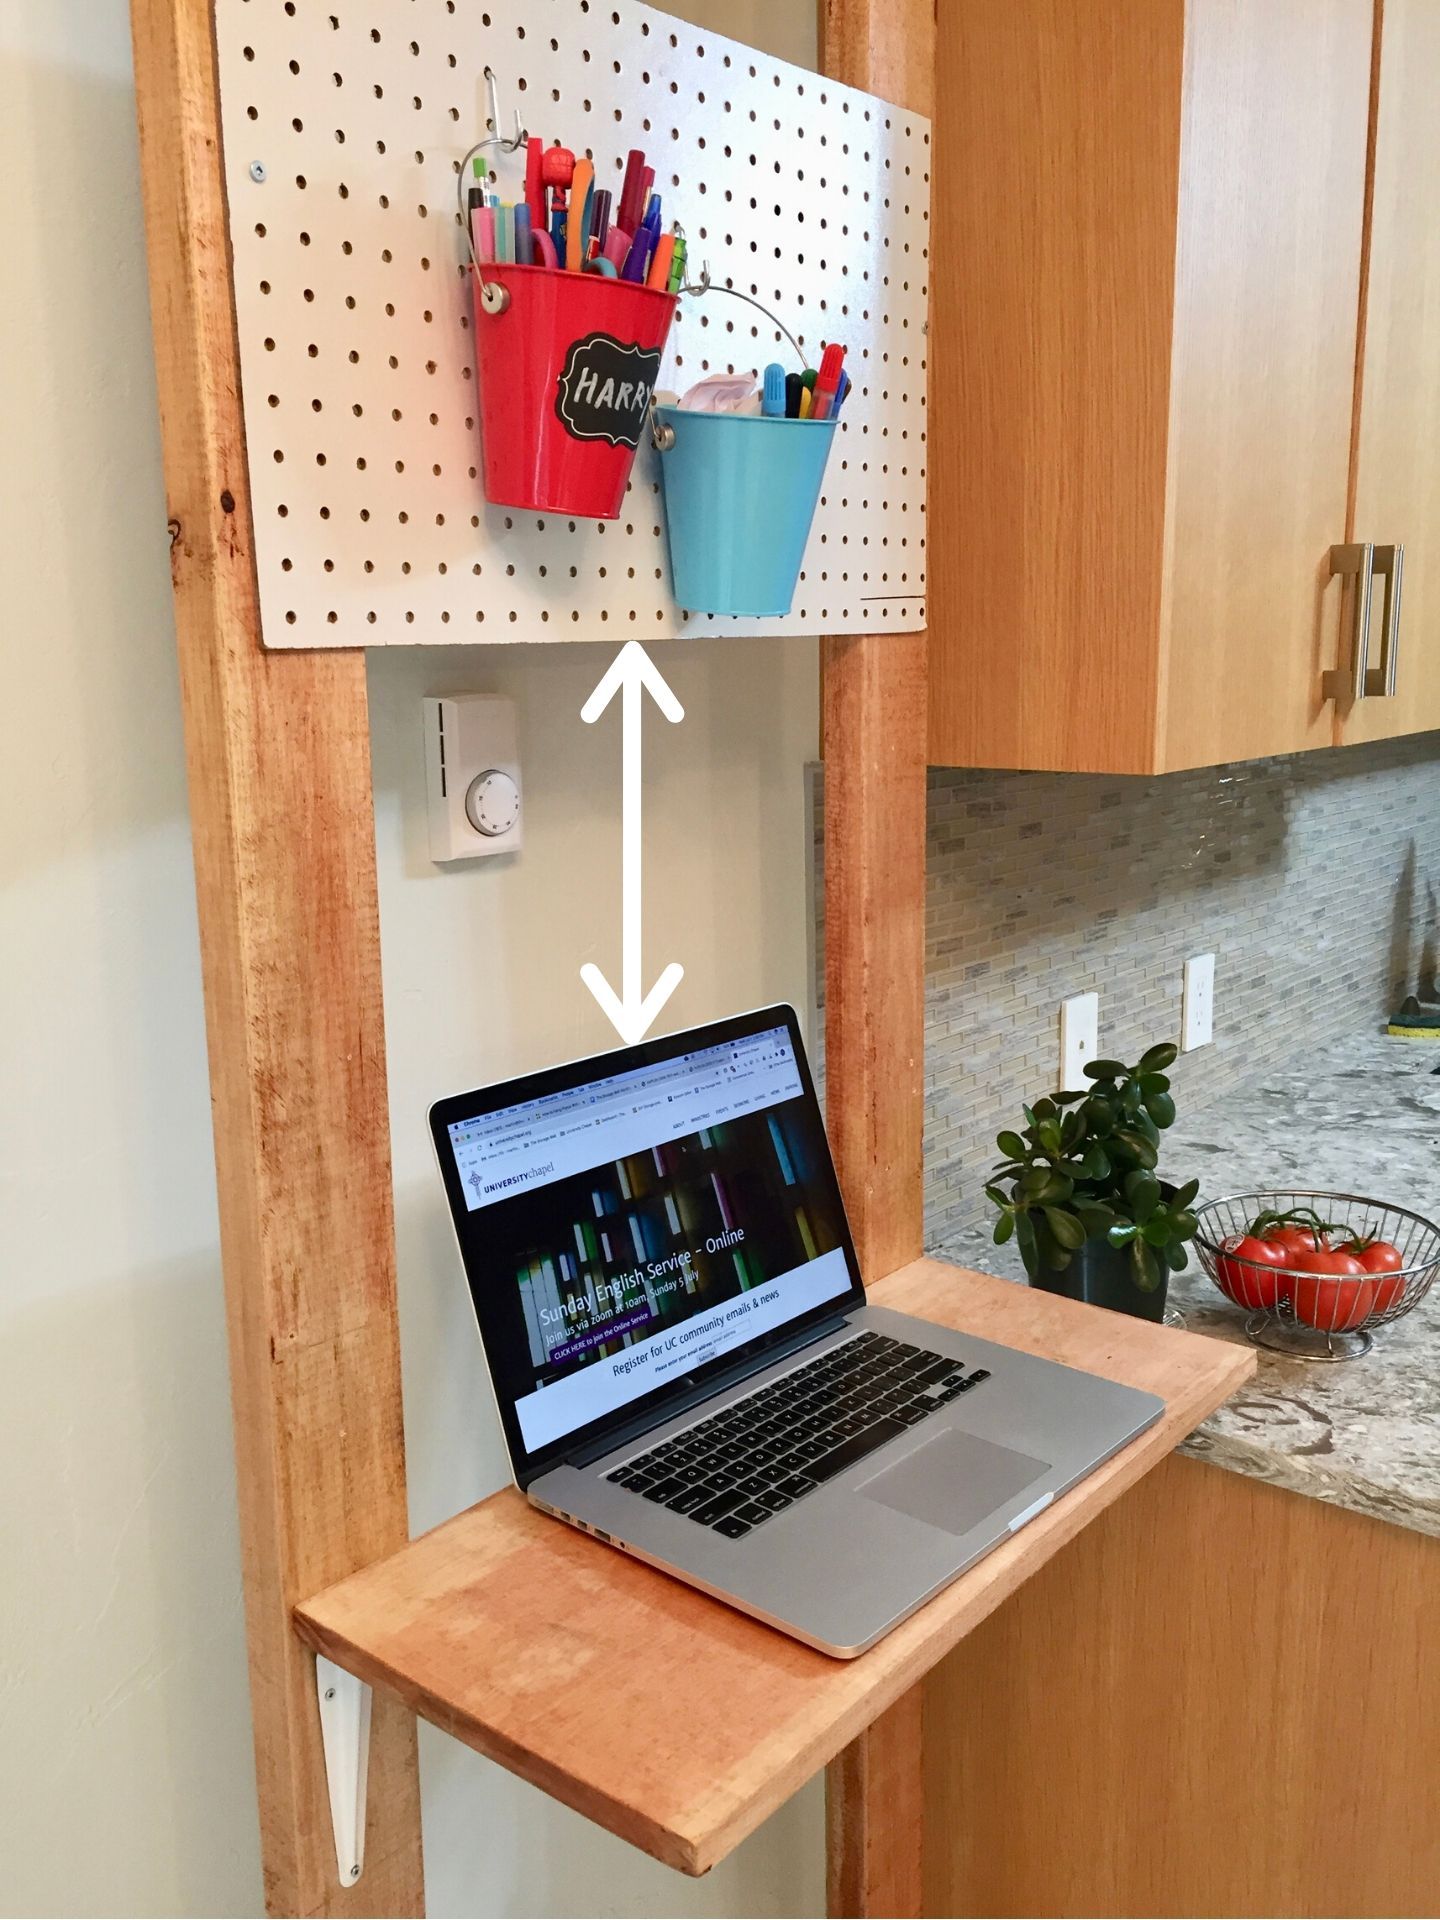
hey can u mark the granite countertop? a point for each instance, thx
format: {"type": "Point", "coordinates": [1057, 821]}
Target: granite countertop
{"type": "Point", "coordinates": [1362, 1117]}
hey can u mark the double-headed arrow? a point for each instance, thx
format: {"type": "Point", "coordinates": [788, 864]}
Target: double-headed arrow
{"type": "Point", "coordinates": [633, 1011]}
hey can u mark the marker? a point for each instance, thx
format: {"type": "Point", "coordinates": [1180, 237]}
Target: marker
{"type": "Point", "coordinates": [827, 380]}
{"type": "Point", "coordinates": [631, 207]}
{"type": "Point", "coordinates": [505, 235]}
{"type": "Point", "coordinates": [658, 278]}
{"type": "Point", "coordinates": [807, 399]}
{"type": "Point", "coordinates": [600, 221]}
{"type": "Point", "coordinates": [772, 395]}
{"type": "Point", "coordinates": [794, 387]}
{"type": "Point", "coordinates": [484, 233]}
{"type": "Point", "coordinates": [616, 248]}
{"type": "Point", "coordinates": [524, 251]}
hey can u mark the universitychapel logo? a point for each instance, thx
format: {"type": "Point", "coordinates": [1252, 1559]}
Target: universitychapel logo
{"type": "Point", "coordinates": [604, 389]}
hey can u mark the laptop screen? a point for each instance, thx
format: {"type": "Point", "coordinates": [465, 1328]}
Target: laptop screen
{"type": "Point", "coordinates": [631, 1223]}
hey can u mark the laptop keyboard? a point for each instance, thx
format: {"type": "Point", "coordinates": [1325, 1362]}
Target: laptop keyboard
{"type": "Point", "coordinates": [759, 1455]}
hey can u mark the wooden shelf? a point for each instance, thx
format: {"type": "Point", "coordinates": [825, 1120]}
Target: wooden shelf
{"type": "Point", "coordinates": [668, 1717]}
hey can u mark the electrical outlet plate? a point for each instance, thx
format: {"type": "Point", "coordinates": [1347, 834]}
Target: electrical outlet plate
{"type": "Point", "coordinates": [1079, 1039]}
{"type": "Point", "coordinates": [472, 776]}
{"type": "Point", "coordinates": [1197, 1003]}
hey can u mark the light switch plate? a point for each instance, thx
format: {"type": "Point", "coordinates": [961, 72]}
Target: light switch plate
{"type": "Point", "coordinates": [472, 754]}
{"type": "Point", "coordinates": [1197, 1003]}
{"type": "Point", "coordinates": [1079, 1039]}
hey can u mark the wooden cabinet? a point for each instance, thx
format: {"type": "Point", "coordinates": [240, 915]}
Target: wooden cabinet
{"type": "Point", "coordinates": [1397, 437]}
{"type": "Point", "coordinates": [1149, 221]}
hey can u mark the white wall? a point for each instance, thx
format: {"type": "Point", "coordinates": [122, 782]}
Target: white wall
{"type": "Point", "coordinates": [125, 1771]}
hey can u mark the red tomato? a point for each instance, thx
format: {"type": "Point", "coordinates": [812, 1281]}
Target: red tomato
{"type": "Point", "coordinates": [1380, 1257]}
{"type": "Point", "coordinates": [1333, 1304]}
{"type": "Point", "coordinates": [1383, 1259]}
{"type": "Point", "coordinates": [1254, 1285]}
{"type": "Point", "coordinates": [1297, 1244]}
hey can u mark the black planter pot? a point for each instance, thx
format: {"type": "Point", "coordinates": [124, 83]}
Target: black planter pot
{"type": "Point", "coordinates": [1103, 1275]}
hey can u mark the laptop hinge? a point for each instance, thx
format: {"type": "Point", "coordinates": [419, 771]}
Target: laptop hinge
{"type": "Point", "coordinates": [693, 1396]}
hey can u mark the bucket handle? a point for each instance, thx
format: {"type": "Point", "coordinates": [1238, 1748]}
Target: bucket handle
{"type": "Point", "coordinates": [494, 298]}
{"type": "Point", "coordinates": [662, 438]}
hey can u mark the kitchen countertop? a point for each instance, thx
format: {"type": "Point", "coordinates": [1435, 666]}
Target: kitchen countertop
{"type": "Point", "coordinates": [1362, 1117]}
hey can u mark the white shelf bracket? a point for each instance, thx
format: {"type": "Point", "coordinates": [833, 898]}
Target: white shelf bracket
{"type": "Point", "coordinates": [345, 1730]}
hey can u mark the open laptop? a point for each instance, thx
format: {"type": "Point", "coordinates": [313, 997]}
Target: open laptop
{"type": "Point", "coordinates": [683, 1357]}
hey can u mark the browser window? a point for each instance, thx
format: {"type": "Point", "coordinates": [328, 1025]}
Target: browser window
{"type": "Point", "coordinates": [638, 1227]}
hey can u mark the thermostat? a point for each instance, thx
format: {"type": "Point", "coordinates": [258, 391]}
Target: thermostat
{"type": "Point", "coordinates": [472, 775]}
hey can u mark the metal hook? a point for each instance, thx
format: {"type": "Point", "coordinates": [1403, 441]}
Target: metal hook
{"type": "Point", "coordinates": [492, 95]}
{"type": "Point", "coordinates": [494, 298]}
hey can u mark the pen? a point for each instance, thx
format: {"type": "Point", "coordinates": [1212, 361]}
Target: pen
{"type": "Point", "coordinates": [534, 182]}
{"type": "Point", "coordinates": [842, 390]}
{"type": "Point", "coordinates": [557, 170]}
{"type": "Point", "coordinates": [794, 387]}
{"type": "Point", "coordinates": [677, 261]}
{"type": "Point", "coordinates": [581, 182]}
{"type": "Point", "coordinates": [634, 268]}
{"type": "Point", "coordinates": [772, 397]}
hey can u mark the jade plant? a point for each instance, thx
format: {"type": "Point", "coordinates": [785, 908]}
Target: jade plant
{"type": "Point", "coordinates": [1084, 1167]}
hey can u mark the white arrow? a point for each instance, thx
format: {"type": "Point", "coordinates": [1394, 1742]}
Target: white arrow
{"type": "Point", "coordinates": [633, 1012]}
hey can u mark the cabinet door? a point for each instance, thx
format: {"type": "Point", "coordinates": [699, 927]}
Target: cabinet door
{"type": "Point", "coordinates": [1267, 295]}
{"type": "Point", "coordinates": [1397, 449]}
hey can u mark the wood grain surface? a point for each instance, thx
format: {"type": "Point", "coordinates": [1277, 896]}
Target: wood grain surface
{"type": "Point", "coordinates": [1222, 1698]}
{"type": "Point", "coordinates": [1057, 135]}
{"type": "Point", "coordinates": [874, 697]}
{"type": "Point", "coordinates": [874, 1816]}
{"type": "Point", "coordinates": [278, 752]}
{"type": "Point", "coordinates": [1267, 278]}
{"type": "Point", "coordinates": [1397, 452]}
{"type": "Point", "coordinates": [667, 1716]}
{"type": "Point", "coordinates": [1148, 244]}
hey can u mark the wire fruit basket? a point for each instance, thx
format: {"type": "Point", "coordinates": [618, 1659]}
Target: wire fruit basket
{"type": "Point", "coordinates": [1318, 1315]}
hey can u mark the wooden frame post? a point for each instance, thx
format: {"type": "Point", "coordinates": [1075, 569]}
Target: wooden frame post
{"type": "Point", "coordinates": [874, 717]}
{"type": "Point", "coordinates": [278, 750]}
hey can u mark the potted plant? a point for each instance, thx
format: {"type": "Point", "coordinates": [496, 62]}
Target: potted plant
{"type": "Point", "coordinates": [1079, 1194]}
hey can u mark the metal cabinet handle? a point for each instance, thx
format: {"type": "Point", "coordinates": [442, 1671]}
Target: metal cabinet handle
{"type": "Point", "coordinates": [1382, 680]}
{"type": "Point", "coordinates": [1357, 561]}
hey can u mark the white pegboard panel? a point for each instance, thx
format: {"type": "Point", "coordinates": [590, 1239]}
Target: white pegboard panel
{"type": "Point", "coordinates": [343, 131]}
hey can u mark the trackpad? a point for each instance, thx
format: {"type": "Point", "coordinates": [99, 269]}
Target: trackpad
{"type": "Point", "coordinates": [954, 1481]}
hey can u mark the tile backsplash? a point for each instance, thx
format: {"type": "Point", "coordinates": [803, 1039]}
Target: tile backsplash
{"type": "Point", "coordinates": [1314, 879]}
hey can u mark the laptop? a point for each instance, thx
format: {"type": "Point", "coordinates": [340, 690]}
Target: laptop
{"type": "Point", "coordinates": [684, 1360]}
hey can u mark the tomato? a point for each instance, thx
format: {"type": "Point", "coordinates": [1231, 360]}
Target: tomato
{"type": "Point", "coordinates": [1336, 1294]}
{"type": "Point", "coordinates": [1256, 1284]}
{"type": "Point", "coordinates": [1297, 1244]}
{"type": "Point", "coordinates": [1380, 1257]}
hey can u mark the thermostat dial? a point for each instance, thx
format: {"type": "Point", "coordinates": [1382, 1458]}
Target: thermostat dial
{"type": "Point", "coordinates": [492, 803]}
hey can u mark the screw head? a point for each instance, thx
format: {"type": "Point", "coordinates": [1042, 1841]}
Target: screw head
{"type": "Point", "coordinates": [329, 1693]}
{"type": "Point", "coordinates": [257, 172]}
{"type": "Point", "coordinates": [355, 1871]}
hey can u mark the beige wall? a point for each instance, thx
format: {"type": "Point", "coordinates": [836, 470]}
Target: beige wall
{"type": "Point", "coordinates": [125, 1772]}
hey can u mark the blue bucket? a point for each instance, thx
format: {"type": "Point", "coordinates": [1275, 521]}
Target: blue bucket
{"type": "Point", "coordinates": [740, 493]}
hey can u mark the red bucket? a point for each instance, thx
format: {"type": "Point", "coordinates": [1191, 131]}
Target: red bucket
{"type": "Point", "coordinates": [565, 375]}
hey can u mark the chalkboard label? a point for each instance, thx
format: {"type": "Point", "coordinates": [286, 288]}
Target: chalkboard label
{"type": "Point", "coordinates": [604, 389]}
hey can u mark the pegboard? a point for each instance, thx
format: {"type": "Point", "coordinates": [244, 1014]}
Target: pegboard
{"type": "Point", "coordinates": [343, 131]}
